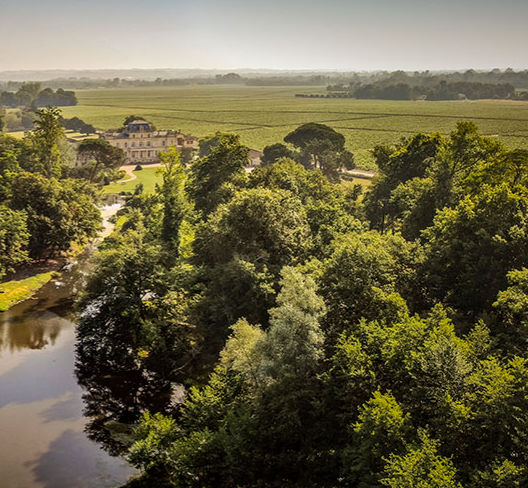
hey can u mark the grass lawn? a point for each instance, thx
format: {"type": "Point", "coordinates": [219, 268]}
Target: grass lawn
{"type": "Point", "coordinates": [264, 115]}
{"type": "Point", "coordinates": [364, 182]}
{"type": "Point", "coordinates": [13, 292]}
{"type": "Point", "coordinates": [148, 176]}
{"type": "Point", "coordinates": [19, 134]}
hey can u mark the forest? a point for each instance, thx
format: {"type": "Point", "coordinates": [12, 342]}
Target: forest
{"type": "Point", "coordinates": [276, 328]}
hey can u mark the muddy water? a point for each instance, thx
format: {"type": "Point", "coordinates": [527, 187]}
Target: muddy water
{"type": "Point", "coordinates": [42, 439]}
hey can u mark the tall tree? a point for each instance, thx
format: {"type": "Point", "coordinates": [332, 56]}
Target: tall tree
{"type": "Point", "coordinates": [176, 205]}
{"type": "Point", "coordinates": [47, 133]}
{"type": "Point", "coordinates": [211, 175]}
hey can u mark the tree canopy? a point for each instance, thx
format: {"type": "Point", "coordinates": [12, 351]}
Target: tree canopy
{"type": "Point", "coordinates": [323, 339]}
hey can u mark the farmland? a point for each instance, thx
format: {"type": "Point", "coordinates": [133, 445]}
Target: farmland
{"type": "Point", "coordinates": [263, 115]}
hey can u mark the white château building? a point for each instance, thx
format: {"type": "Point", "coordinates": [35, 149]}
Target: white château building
{"type": "Point", "coordinates": [142, 144]}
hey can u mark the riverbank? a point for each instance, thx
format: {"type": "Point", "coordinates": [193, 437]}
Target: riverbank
{"type": "Point", "coordinates": [50, 438]}
{"type": "Point", "coordinates": [16, 291]}
{"type": "Point", "coordinates": [28, 280]}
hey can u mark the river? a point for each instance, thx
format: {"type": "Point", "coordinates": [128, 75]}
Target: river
{"type": "Point", "coordinates": [43, 443]}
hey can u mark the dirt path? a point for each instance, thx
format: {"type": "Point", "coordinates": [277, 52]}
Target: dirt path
{"type": "Point", "coordinates": [129, 170]}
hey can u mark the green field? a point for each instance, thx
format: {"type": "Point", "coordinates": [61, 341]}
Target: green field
{"type": "Point", "coordinates": [148, 176]}
{"type": "Point", "coordinates": [263, 115]}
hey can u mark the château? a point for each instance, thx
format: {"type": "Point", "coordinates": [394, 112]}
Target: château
{"type": "Point", "coordinates": [142, 143]}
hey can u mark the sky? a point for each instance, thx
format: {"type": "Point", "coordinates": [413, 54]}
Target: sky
{"type": "Point", "coordinates": [275, 34]}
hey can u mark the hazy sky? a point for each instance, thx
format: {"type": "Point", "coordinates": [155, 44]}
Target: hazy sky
{"type": "Point", "coordinates": [283, 34]}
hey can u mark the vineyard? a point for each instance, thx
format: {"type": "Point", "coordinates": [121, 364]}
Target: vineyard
{"type": "Point", "coordinates": [264, 115]}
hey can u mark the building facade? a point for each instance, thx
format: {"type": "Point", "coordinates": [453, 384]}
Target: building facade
{"type": "Point", "coordinates": [142, 144]}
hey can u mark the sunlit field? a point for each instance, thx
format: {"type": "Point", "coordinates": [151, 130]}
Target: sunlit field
{"type": "Point", "coordinates": [264, 115]}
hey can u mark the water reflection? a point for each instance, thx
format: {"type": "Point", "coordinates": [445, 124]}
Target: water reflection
{"type": "Point", "coordinates": [117, 388]}
{"type": "Point", "coordinates": [71, 461]}
{"type": "Point", "coordinates": [40, 376]}
{"type": "Point", "coordinates": [41, 405]}
{"type": "Point", "coordinates": [17, 333]}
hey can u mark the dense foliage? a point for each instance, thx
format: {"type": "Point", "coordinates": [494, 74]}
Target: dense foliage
{"type": "Point", "coordinates": [325, 339]}
{"type": "Point", "coordinates": [77, 125]}
{"type": "Point", "coordinates": [442, 91]}
{"type": "Point", "coordinates": [43, 209]}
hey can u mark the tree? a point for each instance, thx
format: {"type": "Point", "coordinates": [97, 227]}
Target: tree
{"type": "Point", "coordinates": [32, 89]}
{"type": "Point", "coordinates": [10, 152]}
{"type": "Point", "coordinates": [212, 174]}
{"type": "Point", "coordinates": [395, 192]}
{"type": "Point", "coordinates": [208, 143]}
{"type": "Point", "coordinates": [271, 154]}
{"type": "Point", "coordinates": [420, 467]}
{"type": "Point", "coordinates": [176, 206]}
{"type": "Point", "coordinates": [328, 209]}
{"type": "Point", "coordinates": [505, 474]}
{"type": "Point", "coordinates": [77, 125]}
{"type": "Point", "coordinates": [470, 249]}
{"type": "Point", "coordinates": [361, 274]}
{"type": "Point", "coordinates": [228, 434]}
{"type": "Point", "coordinates": [307, 133]}
{"type": "Point", "coordinates": [511, 306]}
{"type": "Point", "coordinates": [59, 212]}
{"type": "Point", "coordinates": [259, 226]}
{"type": "Point", "coordinates": [100, 154]}
{"type": "Point", "coordinates": [498, 425]}
{"type": "Point", "coordinates": [47, 133]}
{"type": "Point", "coordinates": [14, 239]}
{"type": "Point", "coordinates": [381, 430]}
{"type": "Point", "coordinates": [293, 348]}
{"type": "Point", "coordinates": [322, 147]}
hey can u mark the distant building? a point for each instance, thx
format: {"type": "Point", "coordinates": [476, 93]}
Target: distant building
{"type": "Point", "coordinates": [142, 144]}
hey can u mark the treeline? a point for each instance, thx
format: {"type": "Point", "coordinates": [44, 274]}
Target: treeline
{"type": "Point", "coordinates": [22, 119]}
{"type": "Point", "coordinates": [338, 81]}
{"type": "Point", "coordinates": [428, 79]}
{"type": "Point", "coordinates": [325, 339]}
{"type": "Point", "coordinates": [47, 202]}
{"type": "Point", "coordinates": [442, 91]}
{"type": "Point", "coordinates": [31, 95]}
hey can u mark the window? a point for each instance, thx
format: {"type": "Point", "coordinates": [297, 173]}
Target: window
{"type": "Point", "coordinates": [140, 144]}
{"type": "Point", "coordinates": [148, 143]}
{"type": "Point", "coordinates": [163, 142]}
{"type": "Point", "coordinates": [126, 144]}
{"type": "Point", "coordinates": [133, 144]}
